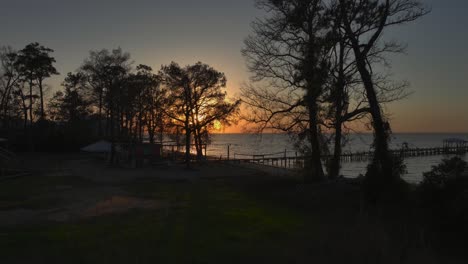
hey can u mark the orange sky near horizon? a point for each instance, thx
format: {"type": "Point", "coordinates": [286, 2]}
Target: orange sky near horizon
{"type": "Point", "coordinates": [212, 31]}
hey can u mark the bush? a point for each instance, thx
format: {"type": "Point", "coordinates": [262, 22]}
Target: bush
{"type": "Point", "coordinates": [383, 183]}
{"type": "Point", "coordinates": [445, 181]}
{"type": "Point", "coordinates": [448, 171]}
{"type": "Point", "coordinates": [444, 190]}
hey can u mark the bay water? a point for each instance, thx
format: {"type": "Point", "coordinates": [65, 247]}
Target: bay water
{"type": "Point", "coordinates": [275, 145]}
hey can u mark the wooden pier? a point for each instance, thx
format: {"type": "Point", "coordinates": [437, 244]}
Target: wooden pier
{"type": "Point", "coordinates": [296, 161]}
{"type": "Point", "coordinates": [291, 159]}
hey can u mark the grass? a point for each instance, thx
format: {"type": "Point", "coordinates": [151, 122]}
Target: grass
{"type": "Point", "coordinates": [36, 191]}
{"type": "Point", "coordinates": [206, 223]}
{"type": "Point", "coordinates": [259, 220]}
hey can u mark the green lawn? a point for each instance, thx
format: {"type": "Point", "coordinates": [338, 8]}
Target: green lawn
{"type": "Point", "coordinates": [205, 223]}
{"type": "Point", "coordinates": [35, 191]}
{"type": "Point", "coordinates": [211, 221]}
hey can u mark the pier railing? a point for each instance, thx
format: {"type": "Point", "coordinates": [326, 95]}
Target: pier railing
{"type": "Point", "coordinates": [292, 159]}
{"type": "Point", "coordinates": [292, 162]}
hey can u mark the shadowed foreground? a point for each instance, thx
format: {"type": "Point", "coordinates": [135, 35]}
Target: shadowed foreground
{"type": "Point", "coordinates": [75, 210]}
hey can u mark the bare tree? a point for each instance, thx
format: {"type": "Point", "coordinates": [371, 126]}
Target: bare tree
{"type": "Point", "coordinates": [289, 51]}
{"type": "Point", "coordinates": [364, 23]}
{"type": "Point", "coordinates": [346, 103]}
{"type": "Point", "coordinates": [9, 81]}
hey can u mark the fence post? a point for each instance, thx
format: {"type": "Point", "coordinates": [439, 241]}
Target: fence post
{"type": "Point", "coordinates": [285, 156]}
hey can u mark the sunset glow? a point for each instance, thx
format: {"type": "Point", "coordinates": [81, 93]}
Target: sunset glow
{"type": "Point", "coordinates": [246, 131]}
{"type": "Point", "coordinates": [218, 44]}
{"type": "Point", "coordinates": [217, 125]}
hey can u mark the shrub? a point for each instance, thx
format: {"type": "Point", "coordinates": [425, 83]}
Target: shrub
{"type": "Point", "coordinates": [444, 190]}
{"type": "Point", "coordinates": [388, 188]}
{"type": "Point", "coordinates": [443, 174]}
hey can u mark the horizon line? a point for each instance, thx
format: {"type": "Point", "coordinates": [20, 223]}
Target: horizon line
{"type": "Point", "coordinates": [364, 132]}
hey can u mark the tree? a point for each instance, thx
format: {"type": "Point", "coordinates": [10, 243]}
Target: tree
{"type": "Point", "coordinates": [132, 102]}
{"type": "Point", "coordinates": [9, 81]}
{"type": "Point", "coordinates": [105, 72]}
{"type": "Point", "coordinates": [151, 101]}
{"type": "Point", "coordinates": [364, 23]}
{"type": "Point", "coordinates": [344, 98]}
{"type": "Point", "coordinates": [143, 102]}
{"type": "Point", "coordinates": [70, 105]}
{"type": "Point", "coordinates": [198, 100]}
{"type": "Point", "coordinates": [105, 79]}
{"type": "Point", "coordinates": [289, 50]}
{"type": "Point", "coordinates": [35, 64]}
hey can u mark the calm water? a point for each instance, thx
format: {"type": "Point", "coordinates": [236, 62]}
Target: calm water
{"type": "Point", "coordinates": [246, 145]}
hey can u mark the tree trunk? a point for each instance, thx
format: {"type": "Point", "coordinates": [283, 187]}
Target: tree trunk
{"type": "Point", "coordinates": [108, 123]}
{"type": "Point", "coordinates": [151, 130]}
{"type": "Point", "coordinates": [199, 144]}
{"type": "Point", "coordinates": [314, 170]}
{"type": "Point", "coordinates": [335, 163]}
{"type": "Point", "coordinates": [25, 112]}
{"type": "Point", "coordinates": [161, 134]}
{"type": "Point", "coordinates": [42, 99]}
{"type": "Point", "coordinates": [130, 128]}
{"type": "Point", "coordinates": [112, 136]}
{"type": "Point", "coordinates": [187, 142]}
{"type": "Point", "coordinates": [379, 176]}
{"type": "Point", "coordinates": [100, 115]}
{"type": "Point", "coordinates": [30, 132]}
{"type": "Point", "coordinates": [30, 103]}
{"type": "Point", "coordinates": [140, 131]}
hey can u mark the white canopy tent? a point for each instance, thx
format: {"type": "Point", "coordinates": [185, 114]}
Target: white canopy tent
{"type": "Point", "coordinates": [101, 146]}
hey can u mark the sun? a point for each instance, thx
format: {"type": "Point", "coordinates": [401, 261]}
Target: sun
{"type": "Point", "coordinates": [217, 125]}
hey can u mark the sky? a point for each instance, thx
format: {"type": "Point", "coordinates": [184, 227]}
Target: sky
{"type": "Point", "coordinates": [157, 32]}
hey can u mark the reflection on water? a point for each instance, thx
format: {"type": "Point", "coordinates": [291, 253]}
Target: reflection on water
{"type": "Point", "coordinates": [277, 144]}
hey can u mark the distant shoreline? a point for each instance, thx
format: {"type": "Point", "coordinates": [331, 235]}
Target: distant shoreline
{"type": "Point", "coordinates": [353, 133]}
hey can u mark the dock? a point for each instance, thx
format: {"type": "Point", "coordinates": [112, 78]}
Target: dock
{"type": "Point", "coordinates": [297, 161]}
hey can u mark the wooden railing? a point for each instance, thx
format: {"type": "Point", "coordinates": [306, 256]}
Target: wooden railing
{"type": "Point", "coordinates": [298, 161]}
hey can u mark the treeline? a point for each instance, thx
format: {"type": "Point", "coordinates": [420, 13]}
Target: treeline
{"type": "Point", "coordinates": [108, 98]}
{"type": "Point", "coordinates": [317, 67]}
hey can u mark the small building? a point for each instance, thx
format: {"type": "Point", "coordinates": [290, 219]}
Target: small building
{"type": "Point", "coordinates": [146, 152]}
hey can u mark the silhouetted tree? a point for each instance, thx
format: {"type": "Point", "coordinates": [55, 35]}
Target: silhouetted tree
{"type": "Point", "coordinates": [150, 102]}
{"type": "Point", "coordinates": [278, 55]}
{"type": "Point", "coordinates": [105, 72]}
{"type": "Point", "coordinates": [12, 87]}
{"type": "Point", "coordinates": [197, 100]}
{"type": "Point", "coordinates": [9, 81]}
{"type": "Point", "coordinates": [364, 23]}
{"type": "Point", "coordinates": [35, 64]}
{"type": "Point", "coordinates": [345, 103]}
{"type": "Point", "coordinates": [290, 50]}
{"type": "Point", "coordinates": [137, 101]}
{"type": "Point", "coordinates": [70, 105]}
